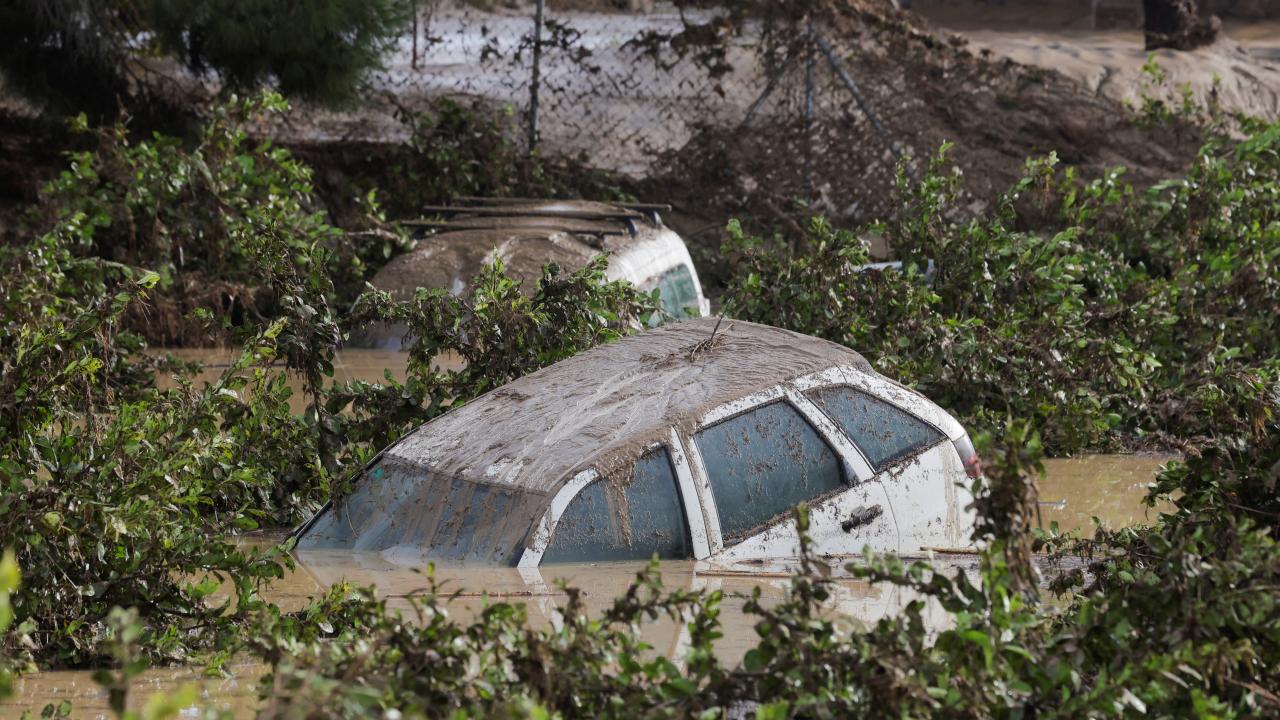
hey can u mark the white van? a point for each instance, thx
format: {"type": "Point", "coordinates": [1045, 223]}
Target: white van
{"type": "Point", "coordinates": [528, 234]}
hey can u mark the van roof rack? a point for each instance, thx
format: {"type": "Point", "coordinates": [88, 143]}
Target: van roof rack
{"type": "Point", "coordinates": [518, 211]}
{"type": "Point", "coordinates": [437, 226]}
{"type": "Point", "coordinates": [468, 212]}
{"type": "Point", "coordinates": [480, 200]}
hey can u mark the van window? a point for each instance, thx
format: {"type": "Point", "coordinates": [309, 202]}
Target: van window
{"type": "Point", "coordinates": [882, 432]}
{"type": "Point", "coordinates": [677, 292]}
{"type": "Point", "coordinates": [764, 462]}
{"type": "Point", "coordinates": [626, 516]}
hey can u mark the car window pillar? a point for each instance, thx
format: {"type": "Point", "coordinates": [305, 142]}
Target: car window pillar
{"type": "Point", "coordinates": [706, 500]}
{"type": "Point", "coordinates": [857, 468]}
{"type": "Point", "coordinates": [695, 514]}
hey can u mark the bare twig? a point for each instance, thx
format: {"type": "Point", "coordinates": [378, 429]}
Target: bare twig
{"type": "Point", "coordinates": [707, 344]}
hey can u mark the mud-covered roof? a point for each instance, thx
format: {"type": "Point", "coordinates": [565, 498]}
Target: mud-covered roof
{"type": "Point", "coordinates": [525, 235]}
{"type": "Point", "coordinates": [606, 405]}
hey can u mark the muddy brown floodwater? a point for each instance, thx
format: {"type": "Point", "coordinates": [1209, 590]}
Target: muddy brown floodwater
{"type": "Point", "coordinates": [348, 364]}
{"type": "Point", "coordinates": [1074, 491]}
{"type": "Point", "coordinates": [1108, 487]}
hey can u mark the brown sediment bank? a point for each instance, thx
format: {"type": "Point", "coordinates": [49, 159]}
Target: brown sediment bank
{"type": "Point", "coordinates": [927, 86]}
{"type": "Point", "coordinates": [1239, 73]}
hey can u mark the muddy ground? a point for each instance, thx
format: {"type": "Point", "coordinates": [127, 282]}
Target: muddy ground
{"type": "Point", "coordinates": [999, 95]}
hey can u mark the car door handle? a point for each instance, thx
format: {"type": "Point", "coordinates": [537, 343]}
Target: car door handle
{"type": "Point", "coordinates": [861, 516]}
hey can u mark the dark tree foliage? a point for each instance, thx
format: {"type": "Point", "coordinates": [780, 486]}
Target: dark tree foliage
{"type": "Point", "coordinates": [88, 55]}
{"type": "Point", "coordinates": [1177, 24]}
{"type": "Point", "coordinates": [64, 53]}
{"type": "Point", "coordinates": [316, 50]}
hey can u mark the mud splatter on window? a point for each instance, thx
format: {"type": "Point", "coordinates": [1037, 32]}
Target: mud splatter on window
{"type": "Point", "coordinates": [764, 462]}
{"type": "Point", "coordinates": [881, 431]}
{"type": "Point", "coordinates": [613, 519]}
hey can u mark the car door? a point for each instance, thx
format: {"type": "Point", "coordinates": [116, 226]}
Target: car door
{"type": "Point", "coordinates": [913, 460]}
{"type": "Point", "coordinates": [754, 459]}
{"type": "Point", "coordinates": [910, 443]}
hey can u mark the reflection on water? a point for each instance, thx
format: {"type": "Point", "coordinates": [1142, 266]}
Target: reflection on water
{"type": "Point", "coordinates": [238, 693]}
{"type": "Point", "coordinates": [1110, 487]}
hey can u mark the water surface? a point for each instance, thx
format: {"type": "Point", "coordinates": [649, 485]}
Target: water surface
{"type": "Point", "coordinates": [1108, 487]}
{"type": "Point", "coordinates": [348, 365]}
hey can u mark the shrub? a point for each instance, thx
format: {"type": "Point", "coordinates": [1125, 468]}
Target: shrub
{"type": "Point", "coordinates": [117, 494]}
{"type": "Point", "coordinates": [1105, 316]}
{"type": "Point", "coordinates": [197, 216]}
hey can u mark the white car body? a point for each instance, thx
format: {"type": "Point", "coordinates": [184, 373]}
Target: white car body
{"type": "Point", "coordinates": [930, 512]}
{"type": "Point", "coordinates": [526, 235]}
{"type": "Point", "coordinates": [787, 418]}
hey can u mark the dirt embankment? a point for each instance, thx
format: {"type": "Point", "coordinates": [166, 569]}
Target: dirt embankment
{"type": "Point", "coordinates": [1240, 72]}
{"type": "Point", "coordinates": [926, 87]}
{"type": "Point", "coordinates": [1228, 73]}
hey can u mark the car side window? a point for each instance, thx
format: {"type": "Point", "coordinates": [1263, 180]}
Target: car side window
{"type": "Point", "coordinates": [625, 516]}
{"type": "Point", "coordinates": [882, 432]}
{"type": "Point", "coordinates": [764, 462]}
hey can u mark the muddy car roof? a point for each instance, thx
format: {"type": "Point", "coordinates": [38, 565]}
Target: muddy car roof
{"type": "Point", "coordinates": [607, 405]}
{"type": "Point", "coordinates": [525, 233]}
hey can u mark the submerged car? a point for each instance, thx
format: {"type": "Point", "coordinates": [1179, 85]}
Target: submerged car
{"type": "Point", "coordinates": [526, 235]}
{"type": "Point", "coordinates": [694, 440]}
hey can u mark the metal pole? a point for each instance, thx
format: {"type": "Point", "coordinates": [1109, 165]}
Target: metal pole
{"type": "Point", "coordinates": [413, 63]}
{"type": "Point", "coordinates": [536, 79]}
{"type": "Point", "coordinates": [768, 88]}
{"type": "Point", "coordinates": [862, 102]}
{"type": "Point", "coordinates": [808, 111]}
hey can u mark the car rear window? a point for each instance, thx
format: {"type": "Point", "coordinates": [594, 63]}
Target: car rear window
{"type": "Point", "coordinates": [626, 516]}
{"type": "Point", "coordinates": [453, 521]}
{"type": "Point", "coordinates": [764, 462]}
{"type": "Point", "coordinates": [882, 432]}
